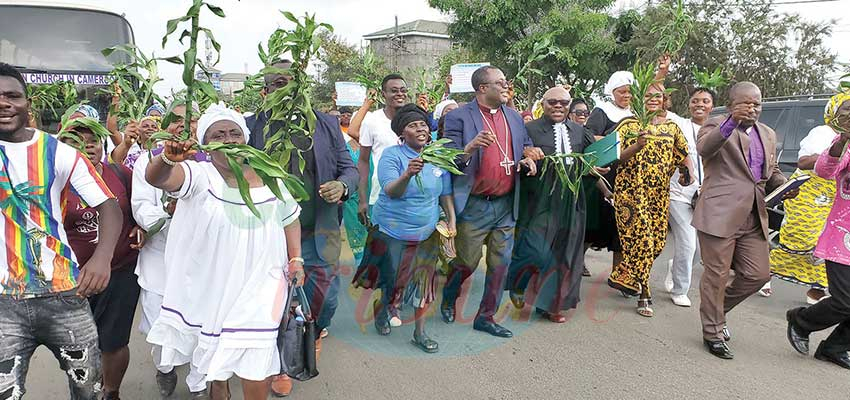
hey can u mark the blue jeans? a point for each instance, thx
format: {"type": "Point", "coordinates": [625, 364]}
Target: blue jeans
{"type": "Point", "coordinates": [489, 222]}
{"type": "Point", "coordinates": [63, 323]}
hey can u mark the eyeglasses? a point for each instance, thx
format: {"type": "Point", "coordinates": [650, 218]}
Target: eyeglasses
{"type": "Point", "coordinates": [554, 102]}
{"type": "Point", "coordinates": [503, 83]}
{"type": "Point", "coordinates": [398, 90]}
{"type": "Point", "coordinates": [581, 113]}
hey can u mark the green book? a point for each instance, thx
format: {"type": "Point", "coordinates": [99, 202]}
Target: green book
{"type": "Point", "coordinates": [606, 150]}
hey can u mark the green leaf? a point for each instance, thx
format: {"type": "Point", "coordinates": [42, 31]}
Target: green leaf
{"type": "Point", "coordinates": [242, 183]}
{"type": "Point", "coordinates": [189, 58]}
{"type": "Point", "coordinates": [171, 26]}
{"type": "Point", "coordinates": [215, 10]}
{"type": "Point", "coordinates": [173, 60]}
{"type": "Point", "coordinates": [290, 17]}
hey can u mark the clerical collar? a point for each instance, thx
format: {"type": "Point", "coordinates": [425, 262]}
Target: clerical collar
{"type": "Point", "coordinates": [492, 111]}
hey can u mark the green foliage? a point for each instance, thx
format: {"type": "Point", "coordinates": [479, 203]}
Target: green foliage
{"type": "Point", "coordinates": [437, 154]}
{"type": "Point", "coordinates": [714, 80]}
{"type": "Point", "coordinates": [290, 108]}
{"type": "Point", "coordinates": [50, 97]}
{"type": "Point", "coordinates": [506, 32]}
{"type": "Point", "coordinates": [749, 41]}
{"type": "Point", "coordinates": [248, 99]}
{"type": "Point", "coordinates": [526, 71]}
{"type": "Point", "coordinates": [673, 29]}
{"type": "Point", "coordinates": [644, 78]}
{"type": "Point", "coordinates": [195, 90]}
{"type": "Point", "coordinates": [370, 75]}
{"type": "Point", "coordinates": [428, 82]}
{"type": "Point", "coordinates": [570, 175]}
{"type": "Point", "coordinates": [125, 76]}
{"type": "Point", "coordinates": [69, 127]}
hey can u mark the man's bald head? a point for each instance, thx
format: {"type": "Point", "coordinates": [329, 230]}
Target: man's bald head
{"type": "Point", "coordinates": [556, 104]}
{"type": "Point", "coordinates": [744, 89]}
{"type": "Point", "coordinates": [745, 103]}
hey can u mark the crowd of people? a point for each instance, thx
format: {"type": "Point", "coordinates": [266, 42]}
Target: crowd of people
{"type": "Point", "coordinates": [90, 234]}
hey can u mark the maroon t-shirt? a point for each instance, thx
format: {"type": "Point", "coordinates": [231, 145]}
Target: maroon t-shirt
{"type": "Point", "coordinates": [81, 221]}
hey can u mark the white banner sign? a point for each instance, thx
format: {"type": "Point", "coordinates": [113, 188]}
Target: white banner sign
{"type": "Point", "coordinates": [462, 77]}
{"type": "Point", "coordinates": [350, 94]}
{"type": "Point", "coordinates": [78, 79]}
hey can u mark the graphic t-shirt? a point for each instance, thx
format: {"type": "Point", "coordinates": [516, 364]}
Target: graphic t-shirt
{"type": "Point", "coordinates": [36, 178]}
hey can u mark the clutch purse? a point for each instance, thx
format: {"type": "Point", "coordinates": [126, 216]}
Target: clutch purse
{"type": "Point", "coordinates": [447, 241]}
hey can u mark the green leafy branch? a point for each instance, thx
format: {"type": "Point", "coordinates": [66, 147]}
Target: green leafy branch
{"type": "Point", "coordinates": [711, 80]}
{"type": "Point", "coordinates": [190, 59]}
{"type": "Point", "coordinates": [248, 98]}
{"type": "Point", "coordinates": [570, 174]}
{"type": "Point", "coordinates": [370, 77]}
{"type": "Point", "coordinates": [437, 154]}
{"type": "Point", "coordinates": [69, 127]}
{"type": "Point", "coordinates": [526, 69]}
{"type": "Point", "coordinates": [132, 102]}
{"type": "Point", "coordinates": [644, 75]}
{"type": "Point", "coordinates": [428, 83]}
{"type": "Point", "coordinates": [50, 97]}
{"type": "Point", "coordinates": [673, 30]}
{"type": "Point", "coordinates": [289, 108]}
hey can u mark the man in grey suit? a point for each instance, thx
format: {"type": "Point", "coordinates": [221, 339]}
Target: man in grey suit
{"type": "Point", "coordinates": [739, 155]}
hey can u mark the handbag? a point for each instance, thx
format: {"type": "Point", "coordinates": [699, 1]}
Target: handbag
{"type": "Point", "coordinates": [296, 338]}
{"type": "Point", "coordinates": [447, 242]}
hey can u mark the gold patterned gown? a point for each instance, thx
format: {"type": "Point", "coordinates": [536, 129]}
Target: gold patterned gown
{"type": "Point", "coordinates": [642, 200]}
{"type": "Point", "coordinates": [805, 216]}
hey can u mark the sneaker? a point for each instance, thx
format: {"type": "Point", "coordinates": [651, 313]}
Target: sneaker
{"type": "Point", "coordinates": [681, 300]}
{"type": "Point", "coordinates": [166, 382]}
{"type": "Point", "coordinates": [668, 280]}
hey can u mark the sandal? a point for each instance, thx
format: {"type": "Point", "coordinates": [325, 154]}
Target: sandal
{"type": "Point", "coordinates": [382, 323]}
{"type": "Point", "coordinates": [425, 343]}
{"type": "Point", "coordinates": [765, 291]}
{"type": "Point", "coordinates": [644, 308]}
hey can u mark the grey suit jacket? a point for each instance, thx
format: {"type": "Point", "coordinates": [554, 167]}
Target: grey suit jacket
{"type": "Point", "coordinates": [729, 190]}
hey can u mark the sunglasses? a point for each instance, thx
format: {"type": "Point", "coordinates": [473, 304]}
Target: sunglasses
{"type": "Point", "coordinates": [581, 113]}
{"type": "Point", "coordinates": [554, 102]}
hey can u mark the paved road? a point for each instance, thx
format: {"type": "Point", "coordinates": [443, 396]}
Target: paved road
{"type": "Point", "coordinates": [605, 350]}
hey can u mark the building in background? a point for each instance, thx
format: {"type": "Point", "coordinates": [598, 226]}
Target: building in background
{"type": "Point", "coordinates": [411, 46]}
{"type": "Point", "coordinates": [231, 83]}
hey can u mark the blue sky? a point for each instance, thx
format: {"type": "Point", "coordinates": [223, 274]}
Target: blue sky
{"type": "Point", "coordinates": [249, 22]}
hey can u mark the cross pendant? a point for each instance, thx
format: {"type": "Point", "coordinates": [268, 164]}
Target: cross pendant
{"type": "Point", "coordinates": [507, 164]}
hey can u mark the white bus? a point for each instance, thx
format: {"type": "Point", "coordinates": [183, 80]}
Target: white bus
{"type": "Point", "coordinates": [52, 41]}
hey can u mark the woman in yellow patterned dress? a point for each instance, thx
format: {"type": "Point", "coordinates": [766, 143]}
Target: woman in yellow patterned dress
{"type": "Point", "coordinates": [642, 196]}
{"type": "Point", "coordinates": [805, 215]}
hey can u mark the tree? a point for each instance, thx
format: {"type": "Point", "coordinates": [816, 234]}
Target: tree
{"type": "Point", "coordinates": [505, 33]}
{"type": "Point", "coordinates": [341, 63]}
{"type": "Point", "coordinates": [750, 41]}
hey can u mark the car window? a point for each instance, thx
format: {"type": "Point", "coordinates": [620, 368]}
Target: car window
{"type": "Point", "coordinates": [809, 117]}
{"type": "Point", "coordinates": [777, 118]}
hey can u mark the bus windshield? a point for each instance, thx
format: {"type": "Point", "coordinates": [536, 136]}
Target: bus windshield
{"type": "Point", "coordinates": [48, 39]}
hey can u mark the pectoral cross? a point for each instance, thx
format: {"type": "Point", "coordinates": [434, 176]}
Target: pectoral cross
{"type": "Point", "coordinates": [507, 164]}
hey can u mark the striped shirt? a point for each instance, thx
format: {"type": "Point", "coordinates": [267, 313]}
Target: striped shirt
{"type": "Point", "coordinates": [36, 178]}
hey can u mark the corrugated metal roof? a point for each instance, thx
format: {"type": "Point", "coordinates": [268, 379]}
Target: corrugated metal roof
{"type": "Point", "coordinates": [420, 26]}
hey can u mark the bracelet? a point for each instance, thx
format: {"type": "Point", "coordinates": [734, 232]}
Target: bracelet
{"type": "Point", "coordinates": [166, 160]}
{"type": "Point", "coordinates": [296, 259]}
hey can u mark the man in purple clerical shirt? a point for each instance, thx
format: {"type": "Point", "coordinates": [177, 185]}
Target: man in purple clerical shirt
{"type": "Point", "coordinates": [740, 163]}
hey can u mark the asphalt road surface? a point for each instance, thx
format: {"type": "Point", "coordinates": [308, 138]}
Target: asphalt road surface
{"type": "Point", "coordinates": [604, 351]}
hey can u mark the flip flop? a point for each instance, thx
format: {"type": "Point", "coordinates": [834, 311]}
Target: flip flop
{"type": "Point", "coordinates": [425, 343]}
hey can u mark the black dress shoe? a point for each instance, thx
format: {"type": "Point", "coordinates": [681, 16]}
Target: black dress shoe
{"type": "Point", "coordinates": [841, 359]}
{"type": "Point", "coordinates": [492, 328]}
{"type": "Point", "coordinates": [719, 349]}
{"type": "Point", "coordinates": [798, 340]}
{"type": "Point", "coordinates": [727, 335]}
{"type": "Point", "coordinates": [518, 299]}
{"type": "Point", "coordinates": [447, 311]}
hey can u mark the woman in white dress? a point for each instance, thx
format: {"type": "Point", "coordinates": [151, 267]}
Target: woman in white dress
{"type": "Point", "coordinates": [227, 269]}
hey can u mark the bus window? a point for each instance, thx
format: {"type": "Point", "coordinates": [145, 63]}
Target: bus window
{"type": "Point", "coordinates": [60, 39]}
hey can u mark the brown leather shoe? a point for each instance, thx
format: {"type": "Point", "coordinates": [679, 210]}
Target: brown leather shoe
{"type": "Point", "coordinates": [281, 385]}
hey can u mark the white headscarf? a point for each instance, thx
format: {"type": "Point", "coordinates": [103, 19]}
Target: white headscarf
{"type": "Point", "coordinates": [438, 110]}
{"type": "Point", "coordinates": [220, 112]}
{"type": "Point", "coordinates": [618, 79]}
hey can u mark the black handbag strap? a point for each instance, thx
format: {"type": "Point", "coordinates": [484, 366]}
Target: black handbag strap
{"type": "Point", "coordinates": [305, 303]}
{"type": "Point", "coordinates": [288, 303]}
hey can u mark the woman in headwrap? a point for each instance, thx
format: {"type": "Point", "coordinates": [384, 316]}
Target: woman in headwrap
{"type": "Point", "coordinates": [805, 215]}
{"type": "Point", "coordinates": [601, 226]}
{"type": "Point", "coordinates": [403, 248]}
{"type": "Point", "coordinates": [155, 110]}
{"type": "Point", "coordinates": [227, 269]}
{"type": "Point", "coordinates": [648, 158]}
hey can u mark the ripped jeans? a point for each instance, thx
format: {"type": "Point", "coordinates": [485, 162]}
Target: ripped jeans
{"type": "Point", "coordinates": [63, 323]}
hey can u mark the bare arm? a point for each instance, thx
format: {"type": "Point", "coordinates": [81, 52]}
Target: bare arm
{"type": "Point", "coordinates": [167, 177]}
{"type": "Point", "coordinates": [807, 162]}
{"type": "Point", "coordinates": [293, 250]}
{"type": "Point", "coordinates": [396, 188]}
{"type": "Point", "coordinates": [357, 119]}
{"type": "Point", "coordinates": [447, 202]}
{"type": "Point", "coordinates": [94, 276]}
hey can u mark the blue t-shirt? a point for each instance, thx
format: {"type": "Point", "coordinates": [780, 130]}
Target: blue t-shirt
{"type": "Point", "coordinates": [413, 216]}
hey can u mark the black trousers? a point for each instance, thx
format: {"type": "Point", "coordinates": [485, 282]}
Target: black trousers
{"type": "Point", "coordinates": [833, 310]}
